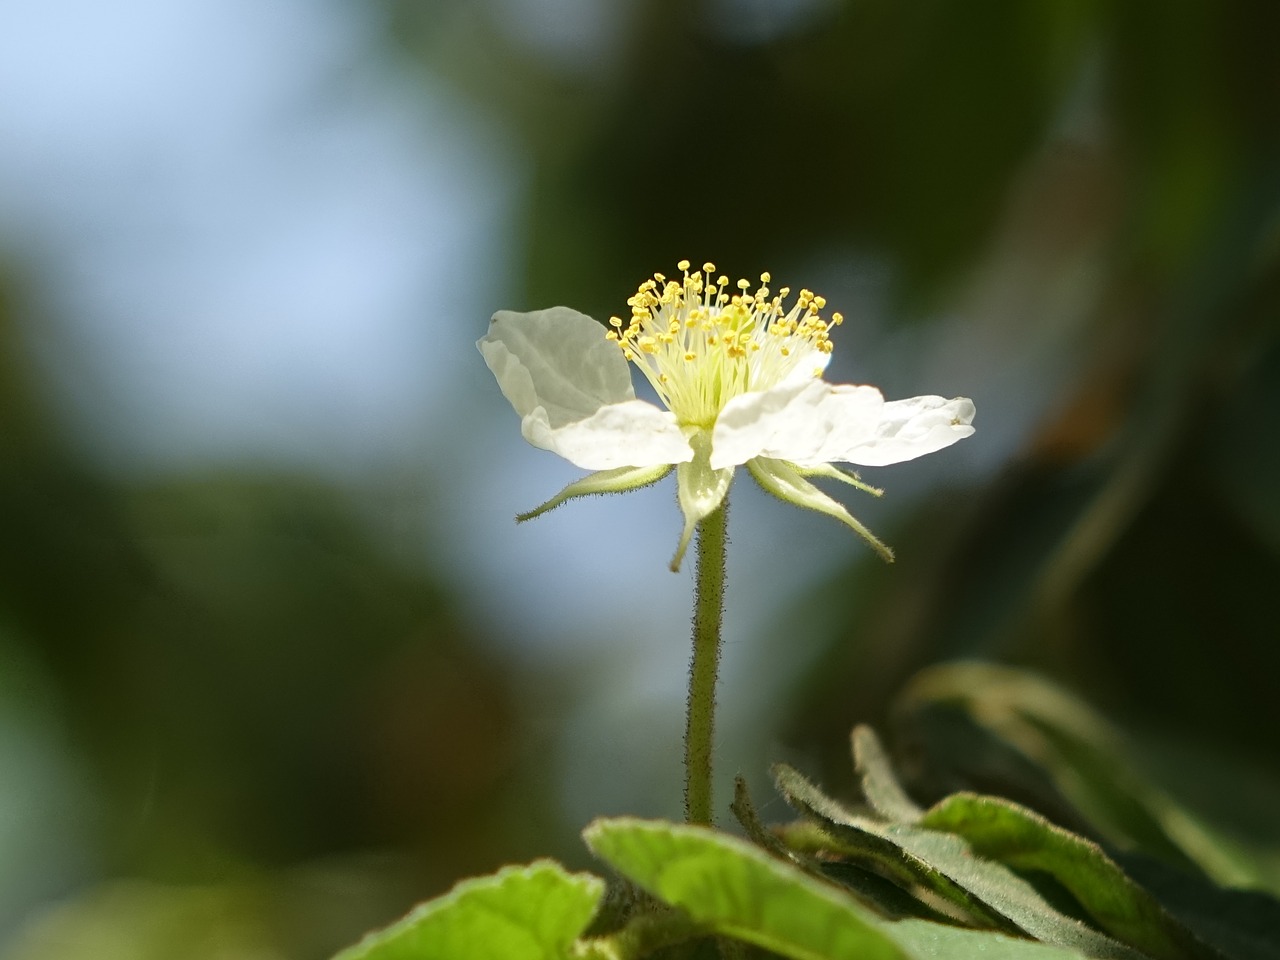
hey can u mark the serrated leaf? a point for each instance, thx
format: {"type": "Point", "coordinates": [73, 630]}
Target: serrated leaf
{"type": "Point", "coordinates": [950, 856]}
{"type": "Point", "coordinates": [1001, 830]}
{"type": "Point", "coordinates": [739, 891]}
{"type": "Point", "coordinates": [518, 913]}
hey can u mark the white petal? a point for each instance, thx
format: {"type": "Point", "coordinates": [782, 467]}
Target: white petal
{"type": "Point", "coordinates": [556, 359]}
{"type": "Point", "coordinates": [572, 389]}
{"type": "Point", "coordinates": [797, 421]}
{"type": "Point", "coordinates": [913, 427]}
{"type": "Point", "coordinates": [818, 422]}
{"type": "Point", "coordinates": [631, 434]}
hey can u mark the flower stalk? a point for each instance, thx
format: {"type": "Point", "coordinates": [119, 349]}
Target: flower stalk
{"type": "Point", "coordinates": [708, 616]}
{"type": "Point", "coordinates": [739, 380]}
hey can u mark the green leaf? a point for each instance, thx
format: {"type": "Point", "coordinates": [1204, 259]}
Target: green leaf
{"type": "Point", "coordinates": [744, 811]}
{"type": "Point", "coordinates": [1017, 837]}
{"type": "Point", "coordinates": [1089, 762]}
{"type": "Point", "coordinates": [737, 890]}
{"type": "Point", "coordinates": [951, 858]}
{"type": "Point", "coordinates": [519, 913]}
{"type": "Point", "coordinates": [879, 784]}
{"type": "Point", "coordinates": [934, 940]}
{"type": "Point", "coordinates": [1239, 924]}
{"type": "Point", "coordinates": [870, 845]}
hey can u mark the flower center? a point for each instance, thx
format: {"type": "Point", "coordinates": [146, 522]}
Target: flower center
{"type": "Point", "coordinates": [701, 346]}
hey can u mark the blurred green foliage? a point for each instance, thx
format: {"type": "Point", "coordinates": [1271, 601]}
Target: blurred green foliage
{"type": "Point", "coordinates": [252, 680]}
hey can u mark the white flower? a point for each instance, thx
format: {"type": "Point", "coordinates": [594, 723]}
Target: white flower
{"type": "Point", "coordinates": [740, 377]}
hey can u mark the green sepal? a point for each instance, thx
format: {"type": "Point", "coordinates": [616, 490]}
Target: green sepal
{"type": "Point", "coordinates": [618, 480]}
{"type": "Point", "coordinates": [699, 490]}
{"type": "Point", "coordinates": [787, 482]}
{"type": "Point", "coordinates": [832, 472]}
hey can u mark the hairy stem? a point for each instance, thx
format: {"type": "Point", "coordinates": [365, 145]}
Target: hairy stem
{"type": "Point", "coordinates": [708, 611]}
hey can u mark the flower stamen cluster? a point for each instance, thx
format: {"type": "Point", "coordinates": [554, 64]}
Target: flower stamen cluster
{"type": "Point", "coordinates": [700, 346]}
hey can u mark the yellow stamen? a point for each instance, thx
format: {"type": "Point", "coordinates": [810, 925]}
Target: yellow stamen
{"type": "Point", "coordinates": [699, 346]}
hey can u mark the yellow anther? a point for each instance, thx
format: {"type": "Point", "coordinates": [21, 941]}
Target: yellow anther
{"type": "Point", "coordinates": [837, 318]}
{"type": "Point", "coordinates": [700, 345]}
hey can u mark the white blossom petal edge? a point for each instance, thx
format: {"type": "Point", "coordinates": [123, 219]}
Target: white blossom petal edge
{"type": "Point", "coordinates": [572, 389]}
{"type": "Point", "coordinates": [739, 376]}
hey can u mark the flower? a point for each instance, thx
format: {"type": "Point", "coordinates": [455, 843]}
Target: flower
{"type": "Point", "coordinates": [740, 377]}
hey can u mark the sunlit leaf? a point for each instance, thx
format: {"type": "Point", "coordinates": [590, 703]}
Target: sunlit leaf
{"type": "Point", "coordinates": [739, 891]}
{"type": "Point", "coordinates": [519, 913]}
{"type": "Point", "coordinates": [928, 940]}
{"type": "Point", "coordinates": [867, 843]}
{"type": "Point", "coordinates": [950, 856]}
{"type": "Point", "coordinates": [1017, 837]}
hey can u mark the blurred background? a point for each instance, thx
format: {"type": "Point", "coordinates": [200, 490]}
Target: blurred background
{"type": "Point", "coordinates": [275, 662]}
